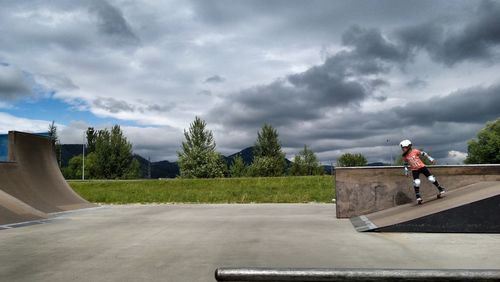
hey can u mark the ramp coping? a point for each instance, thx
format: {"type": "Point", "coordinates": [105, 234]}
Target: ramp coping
{"type": "Point", "coordinates": [25, 223]}
{"type": "Point", "coordinates": [400, 166]}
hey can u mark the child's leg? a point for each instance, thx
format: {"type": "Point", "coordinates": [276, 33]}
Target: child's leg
{"type": "Point", "coordinates": [416, 182]}
{"type": "Point", "coordinates": [431, 178]}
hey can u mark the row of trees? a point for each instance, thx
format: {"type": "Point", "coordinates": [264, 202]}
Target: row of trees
{"type": "Point", "coordinates": [109, 155]}
{"type": "Point", "coordinates": [269, 160]}
{"type": "Point", "coordinates": [199, 158]}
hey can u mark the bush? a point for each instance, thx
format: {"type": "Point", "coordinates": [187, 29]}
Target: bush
{"type": "Point", "coordinates": [349, 159]}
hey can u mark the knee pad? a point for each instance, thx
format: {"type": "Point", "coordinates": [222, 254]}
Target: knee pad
{"type": "Point", "coordinates": [431, 178]}
{"type": "Point", "coordinates": [416, 182]}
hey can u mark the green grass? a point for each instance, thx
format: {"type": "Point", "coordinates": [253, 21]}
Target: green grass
{"type": "Point", "coordinates": [299, 189]}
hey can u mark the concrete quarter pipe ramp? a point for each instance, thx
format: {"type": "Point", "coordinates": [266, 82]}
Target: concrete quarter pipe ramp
{"type": "Point", "coordinates": [31, 184]}
{"type": "Point", "coordinates": [473, 208]}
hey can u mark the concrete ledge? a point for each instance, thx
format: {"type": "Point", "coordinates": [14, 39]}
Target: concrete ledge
{"type": "Point", "coordinates": [364, 190]}
{"type": "Point", "coordinates": [308, 274]}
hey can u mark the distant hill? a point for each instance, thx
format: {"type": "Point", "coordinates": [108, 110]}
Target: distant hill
{"type": "Point", "coordinates": [164, 169]}
{"type": "Point", "coordinates": [143, 164]}
{"type": "Point", "coordinates": [328, 169]}
{"type": "Point", "coordinates": [69, 151]}
{"type": "Point", "coordinates": [376, 164]}
{"type": "Point", "coordinates": [161, 169]}
{"type": "Point", "coordinates": [246, 154]}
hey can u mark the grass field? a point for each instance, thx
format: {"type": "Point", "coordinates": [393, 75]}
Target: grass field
{"type": "Point", "coordinates": [299, 189]}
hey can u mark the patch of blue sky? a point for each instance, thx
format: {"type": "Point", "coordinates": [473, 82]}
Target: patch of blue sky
{"type": "Point", "coordinates": [50, 109]}
{"type": "Point", "coordinates": [42, 105]}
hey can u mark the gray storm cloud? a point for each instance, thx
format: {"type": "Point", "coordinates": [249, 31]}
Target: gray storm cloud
{"type": "Point", "coordinates": [474, 39]}
{"type": "Point", "coordinates": [111, 21]}
{"type": "Point", "coordinates": [13, 84]}
{"type": "Point", "coordinates": [113, 105]}
{"type": "Point", "coordinates": [215, 79]}
{"type": "Point", "coordinates": [473, 105]}
{"type": "Point", "coordinates": [343, 80]}
{"type": "Point", "coordinates": [116, 106]}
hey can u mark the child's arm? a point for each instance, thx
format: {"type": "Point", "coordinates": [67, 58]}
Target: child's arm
{"type": "Point", "coordinates": [428, 156]}
{"type": "Point", "coordinates": [405, 164]}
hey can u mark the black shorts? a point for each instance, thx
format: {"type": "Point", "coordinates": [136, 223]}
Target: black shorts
{"type": "Point", "coordinates": [424, 171]}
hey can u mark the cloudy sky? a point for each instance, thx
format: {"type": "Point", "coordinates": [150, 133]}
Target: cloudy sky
{"type": "Point", "coordinates": [338, 76]}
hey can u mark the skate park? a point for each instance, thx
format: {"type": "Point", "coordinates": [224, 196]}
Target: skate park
{"type": "Point", "coordinates": [49, 233]}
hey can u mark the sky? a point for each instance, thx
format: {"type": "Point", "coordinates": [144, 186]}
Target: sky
{"type": "Point", "coordinates": [338, 76]}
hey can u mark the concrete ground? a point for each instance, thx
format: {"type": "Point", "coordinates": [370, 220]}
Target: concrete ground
{"type": "Point", "coordinates": [188, 242]}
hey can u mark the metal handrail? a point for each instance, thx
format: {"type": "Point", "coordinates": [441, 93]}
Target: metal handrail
{"type": "Point", "coordinates": [329, 275]}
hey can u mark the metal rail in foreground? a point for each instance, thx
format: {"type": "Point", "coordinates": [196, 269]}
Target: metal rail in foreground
{"type": "Point", "coordinates": [329, 275]}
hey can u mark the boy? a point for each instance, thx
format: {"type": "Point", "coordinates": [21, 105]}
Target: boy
{"type": "Point", "coordinates": [411, 157]}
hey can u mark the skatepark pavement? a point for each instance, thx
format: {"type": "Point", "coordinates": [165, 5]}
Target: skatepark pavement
{"type": "Point", "coordinates": [44, 237]}
{"type": "Point", "coordinates": [188, 242]}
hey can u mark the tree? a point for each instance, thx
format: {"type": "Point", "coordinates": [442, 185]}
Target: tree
{"type": "Point", "coordinates": [53, 131]}
{"type": "Point", "coordinates": [74, 168]}
{"type": "Point", "coordinates": [57, 144]}
{"type": "Point", "coordinates": [133, 171]}
{"type": "Point", "coordinates": [103, 155]}
{"type": "Point", "coordinates": [198, 158]}
{"type": "Point", "coordinates": [121, 157]}
{"type": "Point", "coordinates": [113, 155]}
{"type": "Point", "coordinates": [91, 139]}
{"type": "Point", "coordinates": [269, 160]}
{"type": "Point", "coordinates": [349, 159]}
{"type": "Point", "coordinates": [238, 167]}
{"type": "Point", "coordinates": [297, 166]}
{"type": "Point", "coordinates": [306, 163]}
{"type": "Point", "coordinates": [486, 149]}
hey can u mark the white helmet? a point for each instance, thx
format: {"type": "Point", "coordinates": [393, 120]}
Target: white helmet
{"type": "Point", "coordinates": [405, 143]}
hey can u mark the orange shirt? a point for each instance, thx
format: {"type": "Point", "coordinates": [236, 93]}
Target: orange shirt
{"type": "Point", "coordinates": [413, 159]}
